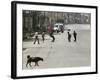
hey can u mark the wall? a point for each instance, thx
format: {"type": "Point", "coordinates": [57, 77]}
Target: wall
{"type": "Point", "coordinates": [5, 40]}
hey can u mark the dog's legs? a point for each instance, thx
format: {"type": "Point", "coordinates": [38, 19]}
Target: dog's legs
{"type": "Point", "coordinates": [30, 64]}
{"type": "Point", "coordinates": [27, 64]}
{"type": "Point", "coordinates": [35, 64]}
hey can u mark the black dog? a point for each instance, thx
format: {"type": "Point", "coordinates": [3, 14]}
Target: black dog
{"type": "Point", "coordinates": [33, 59]}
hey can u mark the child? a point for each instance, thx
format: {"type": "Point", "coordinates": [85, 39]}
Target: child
{"type": "Point", "coordinates": [75, 36]}
{"type": "Point", "coordinates": [36, 38]}
{"type": "Point", "coordinates": [43, 35]}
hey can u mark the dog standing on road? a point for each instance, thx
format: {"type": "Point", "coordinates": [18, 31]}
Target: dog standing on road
{"type": "Point", "coordinates": [33, 59]}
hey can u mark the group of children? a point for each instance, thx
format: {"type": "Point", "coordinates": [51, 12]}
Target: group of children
{"type": "Point", "coordinates": [53, 38]}
{"type": "Point", "coordinates": [70, 36]}
{"type": "Point", "coordinates": [43, 37]}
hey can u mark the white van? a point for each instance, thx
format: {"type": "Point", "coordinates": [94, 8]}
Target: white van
{"type": "Point", "coordinates": [58, 27]}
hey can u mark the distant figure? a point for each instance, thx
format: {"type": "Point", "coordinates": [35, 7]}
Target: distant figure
{"type": "Point", "coordinates": [52, 35]}
{"type": "Point", "coordinates": [62, 29]}
{"type": "Point", "coordinates": [36, 38]}
{"type": "Point", "coordinates": [51, 31]}
{"type": "Point", "coordinates": [33, 59]}
{"type": "Point", "coordinates": [75, 36]}
{"type": "Point", "coordinates": [69, 37]}
{"type": "Point", "coordinates": [43, 36]}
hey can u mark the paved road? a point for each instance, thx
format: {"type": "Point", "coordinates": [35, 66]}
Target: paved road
{"type": "Point", "coordinates": [61, 53]}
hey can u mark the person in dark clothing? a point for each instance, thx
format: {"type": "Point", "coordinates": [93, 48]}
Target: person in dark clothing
{"type": "Point", "coordinates": [69, 37]}
{"type": "Point", "coordinates": [75, 36]}
{"type": "Point", "coordinates": [50, 30]}
{"type": "Point", "coordinates": [43, 36]}
{"type": "Point", "coordinates": [36, 38]}
{"type": "Point", "coordinates": [62, 29]}
{"type": "Point", "coordinates": [51, 35]}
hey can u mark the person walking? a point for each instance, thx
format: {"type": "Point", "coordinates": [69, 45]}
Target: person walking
{"type": "Point", "coordinates": [43, 36]}
{"type": "Point", "coordinates": [75, 36]}
{"type": "Point", "coordinates": [69, 37]}
{"type": "Point", "coordinates": [52, 35]}
{"type": "Point", "coordinates": [51, 31]}
{"type": "Point", "coordinates": [36, 38]}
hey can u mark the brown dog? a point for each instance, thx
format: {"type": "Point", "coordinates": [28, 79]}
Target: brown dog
{"type": "Point", "coordinates": [33, 59]}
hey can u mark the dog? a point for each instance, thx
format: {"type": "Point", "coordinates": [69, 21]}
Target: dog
{"type": "Point", "coordinates": [33, 59]}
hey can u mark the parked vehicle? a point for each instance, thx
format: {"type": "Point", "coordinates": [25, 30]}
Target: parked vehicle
{"type": "Point", "coordinates": [58, 27]}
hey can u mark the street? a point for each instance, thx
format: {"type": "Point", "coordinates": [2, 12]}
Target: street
{"type": "Point", "coordinates": [60, 53]}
